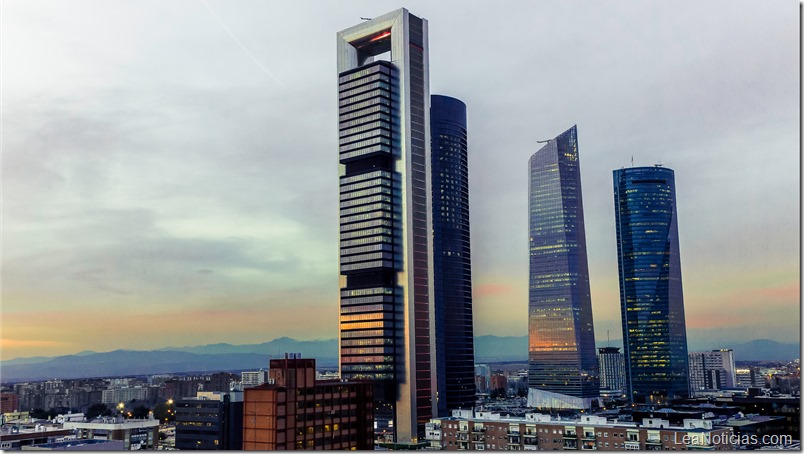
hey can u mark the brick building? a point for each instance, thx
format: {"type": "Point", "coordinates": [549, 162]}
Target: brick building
{"type": "Point", "coordinates": [297, 412]}
{"type": "Point", "coordinates": [9, 402]}
{"type": "Point", "coordinates": [490, 431]}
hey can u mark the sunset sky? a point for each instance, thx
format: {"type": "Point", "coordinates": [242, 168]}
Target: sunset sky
{"type": "Point", "coordinates": [169, 169]}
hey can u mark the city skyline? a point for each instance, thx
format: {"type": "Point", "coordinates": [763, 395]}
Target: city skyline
{"type": "Point", "coordinates": [164, 177]}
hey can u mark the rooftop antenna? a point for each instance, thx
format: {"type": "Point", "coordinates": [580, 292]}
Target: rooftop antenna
{"type": "Point", "coordinates": [632, 160]}
{"type": "Point", "coordinates": [608, 339]}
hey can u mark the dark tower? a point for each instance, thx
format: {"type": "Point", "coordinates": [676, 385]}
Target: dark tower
{"type": "Point", "coordinates": [452, 264]}
{"type": "Point", "coordinates": [651, 298]}
{"type": "Point", "coordinates": [562, 363]}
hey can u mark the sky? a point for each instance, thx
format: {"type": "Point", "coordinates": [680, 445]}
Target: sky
{"type": "Point", "coordinates": [169, 169]}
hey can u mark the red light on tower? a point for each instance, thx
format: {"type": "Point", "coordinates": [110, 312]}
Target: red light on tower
{"type": "Point", "coordinates": [380, 36]}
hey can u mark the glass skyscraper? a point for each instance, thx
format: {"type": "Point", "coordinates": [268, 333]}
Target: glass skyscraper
{"type": "Point", "coordinates": [562, 361]}
{"type": "Point", "coordinates": [651, 299]}
{"type": "Point", "coordinates": [385, 217]}
{"type": "Point", "coordinates": [452, 268]}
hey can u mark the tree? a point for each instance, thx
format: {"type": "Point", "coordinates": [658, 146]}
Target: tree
{"type": "Point", "coordinates": [165, 412]}
{"type": "Point", "coordinates": [140, 412]}
{"type": "Point", "coordinates": [96, 410]}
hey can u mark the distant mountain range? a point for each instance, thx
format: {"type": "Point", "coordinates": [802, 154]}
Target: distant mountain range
{"type": "Point", "coordinates": [228, 357]}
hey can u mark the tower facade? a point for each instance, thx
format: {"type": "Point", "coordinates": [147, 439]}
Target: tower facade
{"type": "Point", "coordinates": [385, 216]}
{"type": "Point", "coordinates": [651, 298]}
{"type": "Point", "coordinates": [452, 265]}
{"type": "Point", "coordinates": [562, 369]}
{"type": "Point", "coordinates": [611, 367]}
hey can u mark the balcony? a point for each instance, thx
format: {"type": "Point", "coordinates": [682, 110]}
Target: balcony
{"type": "Point", "coordinates": [588, 446]}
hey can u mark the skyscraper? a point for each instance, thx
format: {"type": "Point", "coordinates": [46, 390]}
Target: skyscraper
{"type": "Point", "coordinates": [611, 367]}
{"type": "Point", "coordinates": [452, 270]}
{"type": "Point", "coordinates": [385, 216]}
{"type": "Point", "coordinates": [562, 369]}
{"type": "Point", "coordinates": [651, 298]}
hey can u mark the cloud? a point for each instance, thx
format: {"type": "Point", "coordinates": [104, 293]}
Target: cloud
{"type": "Point", "coordinates": [133, 161]}
{"type": "Point", "coordinates": [490, 290]}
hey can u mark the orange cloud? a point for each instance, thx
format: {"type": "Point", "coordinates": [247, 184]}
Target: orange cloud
{"type": "Point", "coordinates": [784, 291]}
{"type": "Point", "coordinates": [491, 289]}
{"type": "Point", "coordinates": [19, 343]}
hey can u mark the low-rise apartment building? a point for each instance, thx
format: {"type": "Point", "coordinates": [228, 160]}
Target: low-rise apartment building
{"type": "Point", "coordinates": [490, 431]}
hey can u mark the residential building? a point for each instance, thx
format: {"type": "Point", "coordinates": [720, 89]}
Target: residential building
{"type": "Point", "coordinates": [9, 402]}
{"type": "Point", "coordinates": [486, 431]}
{"type": "Point", "coordinates": [482, 378]}
{"type": "Point", "coordinates": [386, 270]}
{"type": "Point", "coordinates": [749, 378]}
{"type": "Point", "coordinates": [296, 412]}
{"type": "Point", "coordinates": [250, 379]}
{"type": "Point", "coordinates": [651, 297]}
{"type": "Point", "coordinates": [115, 395]}
{"type": "Point", "coordinates": [452, 266]}
{"type": "Point", "coordinates": [612, 368]}
{"type": "Point", "coordinates": [562, 362]}
{"type": "Point", "coordinates": [712, 370]}
{"type": "Point", "coordinates": [499, 383]}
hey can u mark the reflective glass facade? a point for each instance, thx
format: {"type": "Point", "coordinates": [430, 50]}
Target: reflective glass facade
{"type": "Point", "coordinates": [385, 220]}
{"type": "Point", "coordinates": [562, 356]}
{"type": "Point", "coordinates": [651, 299]}
{"type": "Point", "coordinates": [452, 270]}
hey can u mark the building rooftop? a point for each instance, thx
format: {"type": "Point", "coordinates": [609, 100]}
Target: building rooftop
{"type": "Point", "coordinates": [689, 425]}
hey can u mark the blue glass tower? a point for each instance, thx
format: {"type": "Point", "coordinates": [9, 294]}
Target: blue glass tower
{"type": "Point", "coordinates": [452, 270]}
{"type": "Point", "coordinates": [651, 299]}
{"type": "Point", "coordinates": [562, 361]}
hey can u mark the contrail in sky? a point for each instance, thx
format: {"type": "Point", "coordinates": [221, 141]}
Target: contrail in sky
{"type": "Point", "coordinates": [264, 69]}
